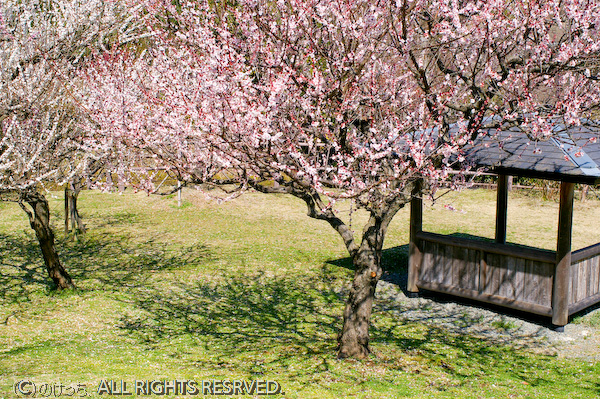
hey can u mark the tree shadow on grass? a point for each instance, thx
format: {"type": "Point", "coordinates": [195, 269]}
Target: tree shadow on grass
{"type": "Point", "coordinates": [465, 357]}
{"type": "Point", "coordinates": [99, 261]}
{"type": "Point", "coordinates": [113, 262]}
{"type": "Point", "coordinates": [251, 322]}
{"type": "Point", "coordinates": [269, 325]}
{"type": "Point", "coordinates": [22, 270]}
{"type": "Point", "coordinates": [257, 323]}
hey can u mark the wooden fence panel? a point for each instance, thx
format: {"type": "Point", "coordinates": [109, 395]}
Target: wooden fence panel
{"type": "Point", "coordinates": [585, 279]}
{"type": "Point", "coordinates": [538, 281]}
{"type": "Point", "coordinates": [513, 276]}
{"type": "Point", "coordinates": [475, 272]}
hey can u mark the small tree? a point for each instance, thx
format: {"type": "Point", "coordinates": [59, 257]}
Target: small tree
{"type": "Point", "coordinates": [343, 99]}
{"type": "Point", "coordinates": [41, 44]}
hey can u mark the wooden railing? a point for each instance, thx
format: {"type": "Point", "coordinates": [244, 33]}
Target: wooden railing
{"type": "Point", "coordinates": [508, 275]}
{"type": "Point", "coordinates": [491, 247]}
{"type": "Point", "coordinates": [585, 253]}
{"type": "Point", "coordinates": [584, 278]}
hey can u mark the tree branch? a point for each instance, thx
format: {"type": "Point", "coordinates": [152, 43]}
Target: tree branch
{"type": "Point", "coordinates": [316, 209]}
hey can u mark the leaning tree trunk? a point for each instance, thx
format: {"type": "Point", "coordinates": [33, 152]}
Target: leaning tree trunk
{"type": "Point", "coordinates": [72, 216]}
{"type": "Point", "coordinates": [353, 340]}
{"type": "Point", "coordinates": [39, 219]}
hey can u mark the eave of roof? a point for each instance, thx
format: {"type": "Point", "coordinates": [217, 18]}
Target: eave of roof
{"type": "Point", "coordinates": [572, 154]}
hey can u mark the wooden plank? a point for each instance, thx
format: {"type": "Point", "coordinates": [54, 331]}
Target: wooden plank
{"type": "Point", "coordinates": [583, 281]}
{"type": "Point", "coordinates": [483, 271]}
{"type": "Point", "coordinates": [585, 253]}
{"type": "Point", "coordinates": [539, 283]}
{"type": "Point", "coordinates": [501, 209]}
{"type": "Point", "coordinates": [507, 275]}
{"type": "Point", "coordinates": [432, 251]}
{"type": "Point", "coordinates": [473, 269]}
{"type": "Point", "coordinates": [519, 280]}
{"type": "Point", "coordinates": [560, 289]}
{"type": "Point", "coordinates": [547, 279]}
{"type": "Point", "coordinates": [447, 263]}
{"type": "Point", "coordinates": [596, 275]}
{"type": "Point", "coordinates": [467, 276]}
{"type": "Point", "coordinates": [591, 277]}
{"type": "Point", "coordinates": [458, 266]}
{"type": "Point", "coordinates": [415, 247]}
{"type": "Point", "coordinates": [589, 301]}
{"type": "Point", "coordinates": [530, 283]}
{"type": "Point", "coordinates": [437, 268]}
{"type": "Point", "coordinates": [573, 278]}
{"type": "Point", "coordinates": [492, 283]}
{"type": "Point", "coordinates": [486, 284]}
{"type": "Point", "coordinates": [588, 278]}
{"type": "Point", "coordinates": [490, 247]}
{"type": "Point", "coordinates": [425, 273]}
{"type": "Point", "coordinates": [499, 274]}
{"type": "Point", "coordinates": [488, 298]}
{"type": "Point", "coordinates": [593, 270]}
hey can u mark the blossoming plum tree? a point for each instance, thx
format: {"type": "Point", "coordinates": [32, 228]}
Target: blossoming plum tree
{"type": "Point", "coordinates": [342, 99]}
{"type": "Point", "coordinates": [41, 44]}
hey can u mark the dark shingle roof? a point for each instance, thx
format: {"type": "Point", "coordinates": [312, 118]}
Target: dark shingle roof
{"type": "Point", "coordinates": [571, 154]}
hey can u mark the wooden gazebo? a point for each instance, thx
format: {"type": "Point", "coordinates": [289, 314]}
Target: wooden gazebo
{"type": "Point", "coordinates": [557, 283]}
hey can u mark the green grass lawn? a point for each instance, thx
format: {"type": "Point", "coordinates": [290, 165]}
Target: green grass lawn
{"type": "Point", "coordinates": [253, 290]}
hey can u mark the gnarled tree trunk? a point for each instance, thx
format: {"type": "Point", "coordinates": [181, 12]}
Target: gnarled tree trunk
{"type": "Point", "coordinates": [353, 340]}
{"type": "Point", "coordinates": [39, 219]}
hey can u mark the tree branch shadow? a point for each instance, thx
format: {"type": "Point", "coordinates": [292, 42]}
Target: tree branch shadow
{"type": "Point", "coordinates": [99, 261]}
{"type": "Point", "coordinates": [270, 319]}
{"type": "Point", "coordinates": [22, 270]}
{"type": "Point", "coordinates": [262, 324]}
{"type": "Point", "coordinates": [112, 262]}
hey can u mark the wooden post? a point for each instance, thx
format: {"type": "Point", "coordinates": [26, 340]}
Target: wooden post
{"type": "Point", "coordinates": [416, 226]}
{"type": "Point", "coordinates": [501, 209]}
{"type": "Point", "coordinates": [560, 289]}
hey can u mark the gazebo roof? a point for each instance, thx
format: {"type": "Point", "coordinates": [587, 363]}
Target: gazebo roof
{"type": "Point", "coordinates": [571, 154]}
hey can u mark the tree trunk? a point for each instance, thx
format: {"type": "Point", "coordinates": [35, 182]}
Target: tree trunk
{"type": "Point", "coordinates": [72, 216]}
{"type": "Point", "coordinates": [353, 340]}
{"type": "Point", "coordinates": [584, 191]}
{"type": "Point", "coordinates": [39, 219]}
{"type": "Point", "coordinates": [67, 208]}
